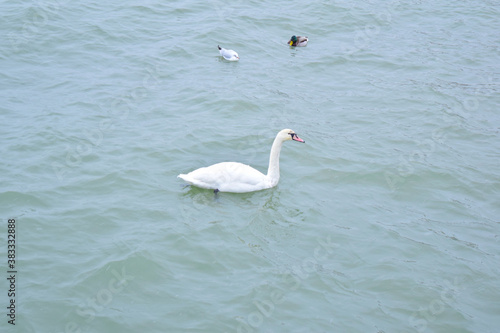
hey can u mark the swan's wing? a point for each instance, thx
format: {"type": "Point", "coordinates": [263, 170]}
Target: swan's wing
{"type": "Point", "coordinates": [226, 176]}
{"type": "Point", "coordinates": [233, 172]}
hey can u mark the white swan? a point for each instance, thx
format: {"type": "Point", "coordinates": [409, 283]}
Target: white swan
{"type": "Point", "coordinates": [239, 178]}
{"type": "Point", "coordinates": [228, 54]}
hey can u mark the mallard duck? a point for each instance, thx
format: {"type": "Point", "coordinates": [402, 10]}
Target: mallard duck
{"type": "Point", "coordinates": [298, 41]}
{"type": "Point", "coordinates": [228, 54]}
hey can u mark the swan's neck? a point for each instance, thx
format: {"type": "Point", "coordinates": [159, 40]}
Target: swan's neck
{"type": "Point", "coordinates": [273, 172]}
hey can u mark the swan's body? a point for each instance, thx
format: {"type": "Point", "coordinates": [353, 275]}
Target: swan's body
{"type": "Point", "coordinates": [228, 177]}
{"type": "Point", "coordinates": [298, 41]}
{"type": "Point", "coordinates": [239, 178]}
{"type": "Point", "coordinates": [228, 54]}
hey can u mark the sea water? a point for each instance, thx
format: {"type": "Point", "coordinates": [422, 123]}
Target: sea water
{"type": "Point", "coordinates": [385, 220]}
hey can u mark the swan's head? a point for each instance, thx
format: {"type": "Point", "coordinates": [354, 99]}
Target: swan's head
{"type": "Point", "coordinates": [288, 134]}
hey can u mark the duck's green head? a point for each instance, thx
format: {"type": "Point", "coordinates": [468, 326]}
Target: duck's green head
{"type": "Point", "coordinates": [293, 40]}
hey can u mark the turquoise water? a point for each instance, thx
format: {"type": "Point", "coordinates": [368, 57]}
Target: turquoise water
{"type": "Point", "coordinates": [385, 220]}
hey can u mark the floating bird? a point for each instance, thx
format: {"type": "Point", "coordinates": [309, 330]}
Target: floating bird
{"type": "Point", "coordinates": [228, 54]}
{"type": "Point", "coordinates": [298, 41]}
{"type": "Point", "coordinates": [240, 178]}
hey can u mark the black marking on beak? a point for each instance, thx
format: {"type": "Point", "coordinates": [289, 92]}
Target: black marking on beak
{"type": "Point", "coordinates": [295, 137]}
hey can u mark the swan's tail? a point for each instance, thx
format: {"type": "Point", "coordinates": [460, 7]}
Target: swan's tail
{"type": "Point", "coordinates": [183, 177]}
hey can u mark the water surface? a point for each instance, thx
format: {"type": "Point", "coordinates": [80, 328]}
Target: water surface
{"type": "Point", "coordinates": [386, 220]}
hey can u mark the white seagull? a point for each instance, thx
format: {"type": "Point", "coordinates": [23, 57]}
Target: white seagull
{"type": "Point", "coordinates": [228, 54]}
